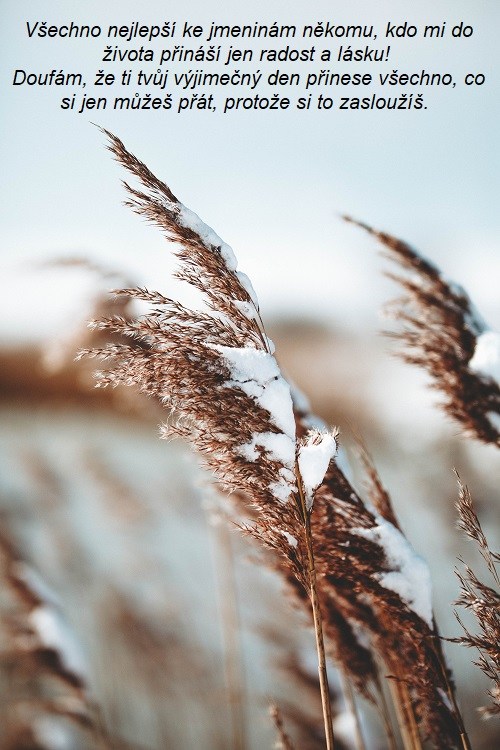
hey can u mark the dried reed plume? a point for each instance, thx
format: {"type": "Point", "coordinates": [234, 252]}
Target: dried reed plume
{"type": "Point", "coordinates": [59, 352]}
{"type": "Point", "coordinates": [214, 368]}
{"type": "Point", "coordinates": [216, 371]}
{"type": "Point", "coordinates": [40, 660]}
{"type": "Point", "coordinates": [375, 593]}
{"type": "Point", "coordinates": [482, 600]}
{"type": "Point", "coordinates": [442, 332]}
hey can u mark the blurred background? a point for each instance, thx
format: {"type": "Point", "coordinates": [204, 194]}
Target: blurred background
{"type": "Point", "coordinates": [116, 521]}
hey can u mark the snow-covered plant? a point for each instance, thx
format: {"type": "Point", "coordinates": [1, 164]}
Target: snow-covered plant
{"type": "Point", "coordinates": [442, 332]}
{"type": "Point", "coordinates": [376, 595]}
{"type": "Point", "coordinates": [214, 369]}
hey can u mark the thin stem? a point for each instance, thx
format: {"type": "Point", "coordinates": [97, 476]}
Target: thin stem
{"type": "Point", "coordinates": [451, 693]}
{"type": "Point", "coordinates": [402, 703]}
{"type": "Point", "coordinates": [402, 715]}
{"type": "Point", "coordinates": [318, 624]}
{"type": "Point", "coordinates": [386, 718]}
{"type": "Point", "coordinates": [353, 709]}
{"type": "Point", "coordinates": [230, 622]}
{"type": "Point", "coordinates": [411, 716]}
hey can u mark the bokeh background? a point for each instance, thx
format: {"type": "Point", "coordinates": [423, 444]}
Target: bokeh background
{"type": "Point", "coordinates": [117, 521]}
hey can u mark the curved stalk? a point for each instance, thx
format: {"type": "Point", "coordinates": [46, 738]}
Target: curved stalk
{"type": "Point", "coordinates": [316, 610]}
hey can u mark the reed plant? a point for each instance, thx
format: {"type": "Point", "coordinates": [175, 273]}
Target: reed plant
{"type": "Point", "coordinates": [342, 553]}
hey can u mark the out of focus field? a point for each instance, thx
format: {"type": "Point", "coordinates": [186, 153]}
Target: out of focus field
{"type": "Point", "coordinates": [118, 524]}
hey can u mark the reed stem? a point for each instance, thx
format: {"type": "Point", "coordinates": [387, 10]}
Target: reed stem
{"type": "Point", "coordinates": [350, 701]}
{"type": "Point", "coordinates": [464, 738]}
{"type": "Point", "coordinates": [230, 622]}
{"type": "Point", "coordinates": [318, 622]}
{"type": "Point", "coordinates": [386, 718]}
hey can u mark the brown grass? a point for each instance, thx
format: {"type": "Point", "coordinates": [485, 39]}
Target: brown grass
{"type": "Point", "coordinates": [482, 600]}
{"type": "Point", "coordinates": [438, 330]}
{"type": "Point", "coordinates": [339, 549]}
{"type": "Point", "coordinates": [328, 545]}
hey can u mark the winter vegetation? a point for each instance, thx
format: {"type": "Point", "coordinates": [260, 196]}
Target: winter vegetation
{"type": "Point", "coordinates": [342, 604]}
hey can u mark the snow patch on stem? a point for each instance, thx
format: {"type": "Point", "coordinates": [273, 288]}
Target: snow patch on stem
{"type": "Point", "coordinates": [188, 219]}
{"type": "Point", "coordinates": [210, 239]}
{"type": "Point", "coordinates": [292, 541]}
{"type": "Point", "coordinates": [278, 446]}
{"type": "Point", "coordinates": [256, 373]}
{"type": "Point", "coordinates": [486, 358]}
{"type": "Point", "coordinates": [314, 457]}
{"type": "Point", "coordinates": [410, 576]}
{"type": "Point", "coordinates": [248, 287]}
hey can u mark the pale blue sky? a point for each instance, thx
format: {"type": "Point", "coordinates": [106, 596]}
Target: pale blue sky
{"type": "Point", "coordinates": [272, 185]}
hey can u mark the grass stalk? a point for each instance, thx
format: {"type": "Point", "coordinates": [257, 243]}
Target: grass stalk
{"type": "Point", "coordinates": [451, 693]}
{"type": "Point", "coordinates": [316, 610]}
{"type": "Point", "coordinates": [412, 722]}
{"type": "Point", "coordinates": [230, 623]}
{"type": "Point", "coordinates": [386, 718]}
{"type": "Point", "coordinates": [350, 701]}
{"type": "Point", "coordinates": [404, 712]}
{"type": "Point", "coordinates": [401, 700]}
